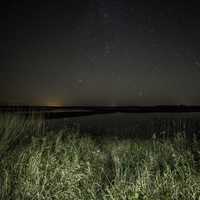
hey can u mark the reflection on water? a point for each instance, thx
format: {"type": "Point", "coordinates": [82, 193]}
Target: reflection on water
{"type": "Point", "coordinates": [133, 124]}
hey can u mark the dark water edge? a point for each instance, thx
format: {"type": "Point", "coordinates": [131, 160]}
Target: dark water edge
{"type": "Point", "coordinates": [125, 125]}
{"type": "Point", "coordinates": [131, 125]}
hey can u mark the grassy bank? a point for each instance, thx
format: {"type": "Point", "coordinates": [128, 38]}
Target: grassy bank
{"type": "Point", "coordinates": [37, 164]}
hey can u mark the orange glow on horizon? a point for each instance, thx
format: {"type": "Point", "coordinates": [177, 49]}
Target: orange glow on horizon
{"type": "Point", "coordinates": [55, 103]}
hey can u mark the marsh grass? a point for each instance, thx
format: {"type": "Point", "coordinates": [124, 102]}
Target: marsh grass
{"type": "Point", "coordinates": [63, 164]}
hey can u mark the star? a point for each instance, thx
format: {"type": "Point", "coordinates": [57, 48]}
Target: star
{"type": "Point", "coordinates": [105, 15]}
{"type": "Point", "coordinates": [197, 63]}
{"type": "Point", "coordinates": [119, 78]}
{"type": "Point", "coordinates": [107, 49]}
{"type": "Point", "coordinates": [80, 81]}
{"type": "Point", "coordinates": [141, 93]}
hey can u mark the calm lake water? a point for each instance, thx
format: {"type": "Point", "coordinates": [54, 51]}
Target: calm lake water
{"type": "Point", "coordinates": [132, 124]}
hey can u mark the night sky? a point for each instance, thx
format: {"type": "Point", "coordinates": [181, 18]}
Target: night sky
{"type": "Point", "coordinates": [100, 52]}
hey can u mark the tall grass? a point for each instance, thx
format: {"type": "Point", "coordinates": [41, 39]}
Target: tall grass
{"type": "Point", "coordinates": [37, 164]}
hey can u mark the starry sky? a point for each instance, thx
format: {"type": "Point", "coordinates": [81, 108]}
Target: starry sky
{"type": "Point", "coordinates": [100, 52]}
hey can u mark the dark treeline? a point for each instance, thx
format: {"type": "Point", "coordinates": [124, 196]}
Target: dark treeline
{"type": "Point", "coordinates": [133, 109]}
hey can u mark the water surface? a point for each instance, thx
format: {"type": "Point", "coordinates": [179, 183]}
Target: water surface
{"type": "Point", "coordinates": [132, 124]}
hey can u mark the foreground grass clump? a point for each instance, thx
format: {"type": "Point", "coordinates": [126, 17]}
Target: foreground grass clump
{"type": "Point", "coordinates": [39, 164]}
